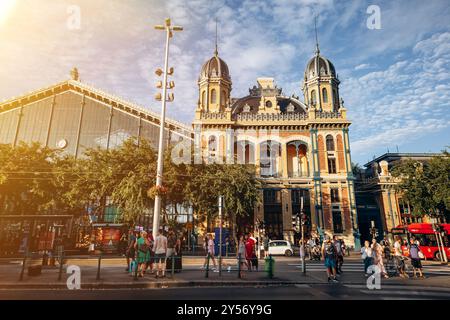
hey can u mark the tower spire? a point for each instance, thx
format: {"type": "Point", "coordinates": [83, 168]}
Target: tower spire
{"type": "Point", "coordinates": [317, 38]}
{"type": "Point", "coordinates": [216, 52]}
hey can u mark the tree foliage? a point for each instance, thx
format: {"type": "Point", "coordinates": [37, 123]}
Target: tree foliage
{"type": "Point", "coordinates": [40, 179]}
{"type": "Point", "coordinates": [425, 185]}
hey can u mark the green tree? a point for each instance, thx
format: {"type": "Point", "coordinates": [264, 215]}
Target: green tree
{"type": "Point", "coordinates": [425, 185]}
{"type": "Point", "coordinates": [26, 178]}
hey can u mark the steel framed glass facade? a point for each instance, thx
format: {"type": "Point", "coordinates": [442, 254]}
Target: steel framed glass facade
{"type": "Point", "coordinates": [74, 121]}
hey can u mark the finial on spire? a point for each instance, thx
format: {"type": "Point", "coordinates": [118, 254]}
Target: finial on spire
{"type": "Point", "coordinates": [317, 38]}
{"type": "Point", "coordinates": [74, 74]}
{"type": "Point", "coordinates": [216, 52]}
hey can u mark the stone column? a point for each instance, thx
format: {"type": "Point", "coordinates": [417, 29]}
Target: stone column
{"type": "Point", "coordinates": [284, 157]}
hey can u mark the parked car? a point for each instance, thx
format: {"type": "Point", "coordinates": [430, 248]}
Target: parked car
{"type": "Point", "coordinates": [280, 247]}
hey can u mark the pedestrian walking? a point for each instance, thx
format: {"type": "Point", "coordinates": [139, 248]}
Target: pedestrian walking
{"type": "Point", "coordinates": [249, 251]}
{"type": "Point", "coordinates": [266, 246]}
{"type": "Point", "coordinates": [205, 248]}
{"type": "Point", "coordinates": [210, 251]}
{"type": "Point", "coordinates": [171, 242]}
{"type": "Point", "coordinates": [241, 255]}
{"type": "Point", "coordinates": [151, 258]}
{"type": "Point", "coordinates": [339, 254]}
{"type": "Point", "coordinates": [160, 249]}
{"type": "Point", "coordinates": [399, 258]}
{"type": "Point", "coordinates": [130, 252]}
{"type": "Point", "coordinates": [416, 254]}
{"type": "Point", "coordinates": [377, 253]}
{"type": "Point", "coordinates": [310, 245]}
{"type": "Point", "coordinates": [366, 255]}
{"type": "Point", "coordinates": [329, 253]}
{"type": "Point", "coordinates": [143, 252]}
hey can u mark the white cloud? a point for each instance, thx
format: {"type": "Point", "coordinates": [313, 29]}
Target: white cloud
{"type": "Point", "coordinates": [363, 66]}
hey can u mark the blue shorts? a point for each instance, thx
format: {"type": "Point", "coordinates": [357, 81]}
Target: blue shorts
{"type": "Point", "coordinates": [330, 262]}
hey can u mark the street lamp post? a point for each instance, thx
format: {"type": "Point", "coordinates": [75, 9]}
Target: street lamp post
{"type": "Point", "coordinates": [220, 233]}
{"type": "Point", "coordinates": [169, 34]}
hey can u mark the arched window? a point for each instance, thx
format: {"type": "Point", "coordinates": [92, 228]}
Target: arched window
{"type": "Point", "coordinates": [330, 143]}
{"type": "Point", "coordinates": [268, 104]}
{"type": "Point", "coordinates": [313, 97]}
{"type": "Point", "coordinates": [213, 96]}
{"type": "Point", "coordinates": [223, 98]}
{"type": "Point", "coordinates": [325, 95]}
{"type": "Point", "coordinates": [203, 98]}
{"type": "Point", "coordinates": [212, 145]}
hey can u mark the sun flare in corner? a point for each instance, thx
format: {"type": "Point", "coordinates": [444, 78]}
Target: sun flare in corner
{"type": "Point", "coordinates": [5, 8]}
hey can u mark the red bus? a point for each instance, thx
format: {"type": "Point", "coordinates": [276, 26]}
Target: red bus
{"type": "Point", "coordinates": [426, 236]}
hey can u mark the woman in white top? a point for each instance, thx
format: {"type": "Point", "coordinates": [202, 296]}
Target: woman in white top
{"type": "Point", "coordinates": [377, 252]}
{"type": "Point", "coordinates": [366, 255]}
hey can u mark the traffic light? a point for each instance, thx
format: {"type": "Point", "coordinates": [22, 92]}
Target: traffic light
{"type": "Point", "coordinates": [304, 219]}
{"type": "Point", "coordinates": [296, 222]}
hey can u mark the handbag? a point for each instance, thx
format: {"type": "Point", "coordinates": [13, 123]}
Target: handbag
{"type": "Point", "coordinates": [421, 255]}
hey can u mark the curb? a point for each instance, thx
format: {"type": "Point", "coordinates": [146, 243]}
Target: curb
{"type": "Point", "coordinates": [189, 284]}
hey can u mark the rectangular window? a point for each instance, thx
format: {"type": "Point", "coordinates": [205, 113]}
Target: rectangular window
{"type": "Point", "coordinates": [331, 165]}
{"type": "Point", "coordinates": [273, 216]}
{"type": "Point", "coordinates": [337, 222]}
{"type": "Point", "coordinates": [334, 195]}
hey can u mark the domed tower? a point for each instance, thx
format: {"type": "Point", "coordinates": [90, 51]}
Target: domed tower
{"type": "Point", "coordinates": [214, 85]}
{"type": "Point", "coordinates": [321, 85]}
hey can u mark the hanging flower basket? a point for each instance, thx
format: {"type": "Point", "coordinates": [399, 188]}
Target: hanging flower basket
{"type": "Point", "coordinates": [157, 191]}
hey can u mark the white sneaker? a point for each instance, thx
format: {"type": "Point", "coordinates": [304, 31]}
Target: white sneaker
{"type": "Point", "coordinates": [215, 270]}
{"type": "Point", "coordinates": [229, 269]}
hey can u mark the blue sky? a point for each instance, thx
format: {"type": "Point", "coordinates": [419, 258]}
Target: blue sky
{"type": "Point", "coordinates": [395, 81]}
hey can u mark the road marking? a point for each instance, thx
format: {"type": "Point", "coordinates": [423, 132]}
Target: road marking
{"type": "Point", "coordinates": [406, 293]}
{"type": "Point", "coordinates": [303, 286]}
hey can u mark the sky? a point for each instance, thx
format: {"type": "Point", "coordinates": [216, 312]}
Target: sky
{"type": "Point", "coordinates": [395, 78]}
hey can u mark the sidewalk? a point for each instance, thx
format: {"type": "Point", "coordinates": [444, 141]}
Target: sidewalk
{"type": "Point", "coordinates": [114, 276]}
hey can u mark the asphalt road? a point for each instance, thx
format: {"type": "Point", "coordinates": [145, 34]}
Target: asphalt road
{"type": "Point", "coordinates": [298, 292]}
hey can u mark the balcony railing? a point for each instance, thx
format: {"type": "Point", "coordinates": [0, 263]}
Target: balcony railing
{"type": "Point", "coordinates": [328, 115]}
{"type": "Point", "coordinates": [271, 116]}
{"type": "Point", "coordinates": [214, 116]}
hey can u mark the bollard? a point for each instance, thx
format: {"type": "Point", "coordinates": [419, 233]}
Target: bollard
{"type": "Point", "coordinates": [61, 264]}
{"type": "Point", "coordinates": [269, 266]}
{"type": "Point", "coordinates": [239, 265]}
{"type": "Point", "coordinates": [207, 267]}
{"type": "Point", "coordinates": [99, 265]}
{"type": "Point", "coordinates": [173, 264]}
{"type": "Point", "coordinates": [23, 265]}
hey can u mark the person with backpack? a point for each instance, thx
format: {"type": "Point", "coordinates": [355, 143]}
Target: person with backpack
{"type": "Point", "coordinates": [143, 252]}
{"type": "Point", "coordinates": [329, 253]}
{"type": "Point", "coordinates": [339, 254]}
{"type": "Point", "coordinates": [416, 254]}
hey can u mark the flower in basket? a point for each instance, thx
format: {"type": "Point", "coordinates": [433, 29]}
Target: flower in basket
{"type": "Point", "coordinates": [157, 191]}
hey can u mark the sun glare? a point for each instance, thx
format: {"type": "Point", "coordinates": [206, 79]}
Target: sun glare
{"type": "Point", "coordinates": [5, 9]}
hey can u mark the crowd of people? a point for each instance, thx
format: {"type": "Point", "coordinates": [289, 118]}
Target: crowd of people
{"type": "Point", "coordinates": [146, 253]}
{"type": "Point", "coordinates": [375, 254]}
{"type": "Point", "coordinates": [245, 253]}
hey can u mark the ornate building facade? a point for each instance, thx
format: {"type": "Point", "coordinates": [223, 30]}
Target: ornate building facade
{"type": "Point", "coordinates": [301, 149]}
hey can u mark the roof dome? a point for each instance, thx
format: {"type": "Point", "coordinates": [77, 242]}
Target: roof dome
{"type": "Point", "coordinates": [319, 65]}
{"type": "Point", "coordinates": [215, 68]}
